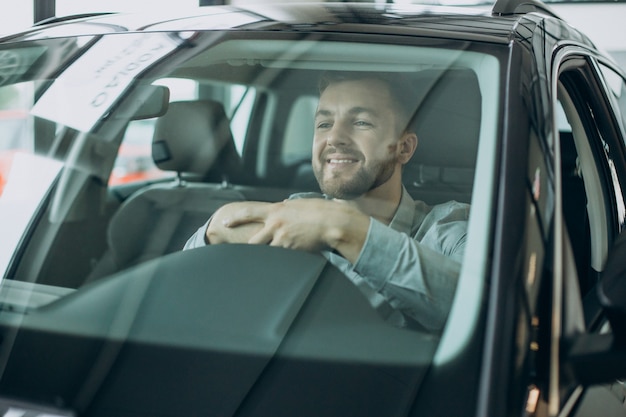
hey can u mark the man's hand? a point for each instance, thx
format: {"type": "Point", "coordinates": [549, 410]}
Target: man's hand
{"type": "Point", "coordinates": [218, 232]}
{"type": "Point", "coordinates": [306, 224]}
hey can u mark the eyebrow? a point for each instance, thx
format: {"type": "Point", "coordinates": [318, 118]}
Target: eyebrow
{"type": "Point", "coordinates": [353, 111]}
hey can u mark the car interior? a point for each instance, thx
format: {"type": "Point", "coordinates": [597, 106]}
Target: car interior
{"type": "Point", "coordinates": [196, 139]}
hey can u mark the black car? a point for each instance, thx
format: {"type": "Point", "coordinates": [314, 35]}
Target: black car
{"type": "Point", "coordinates": [122, 135]}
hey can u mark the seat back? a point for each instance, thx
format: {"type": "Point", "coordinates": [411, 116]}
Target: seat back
{"type": "Point", "coordinates": [447, 124]}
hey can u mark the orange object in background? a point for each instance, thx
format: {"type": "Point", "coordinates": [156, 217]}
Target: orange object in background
{"type": "Point", "coordinates": [134, 163]}
{"type": "Point", "coordinates": [6, 160]}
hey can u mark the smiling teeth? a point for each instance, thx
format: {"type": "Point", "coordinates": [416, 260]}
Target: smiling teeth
{"type": "Point", "coordinates": [341, 161]}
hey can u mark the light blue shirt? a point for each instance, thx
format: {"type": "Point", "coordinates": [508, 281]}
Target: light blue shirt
{"type": "Point", "coordinates": [408, 270]}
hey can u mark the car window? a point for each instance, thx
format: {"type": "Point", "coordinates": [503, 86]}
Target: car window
{"type": "Point", "coordinates": [15, 125]}
{"type": "Point", "coordinates": [617, 88]}
{"type": "Point", "coordinates": [299, 130]}
{"type": "Point", "coordinates": [134, 162]}
{"type": "Point", "coordinates": [592, 199]}
{"type": "Point", "coordinates": [583, 186]}
{"type": "Point", "coordinates": [269, 103]}
{"type": "Point", "coordinates": [21, 168]}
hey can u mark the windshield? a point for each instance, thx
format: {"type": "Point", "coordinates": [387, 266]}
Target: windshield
{"type": "Point", "coordinates": [260, 206]}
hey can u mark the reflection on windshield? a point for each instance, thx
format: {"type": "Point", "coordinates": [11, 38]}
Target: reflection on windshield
{"type": "Point", "coordinates": [27, 182]}
{"type": "Point", "coordinates": [15, 63]}
{"type": "Point", "coordinates": [91, 85]}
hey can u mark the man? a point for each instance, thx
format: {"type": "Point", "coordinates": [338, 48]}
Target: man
{"type": "Point", "coordinates": [404, 255]}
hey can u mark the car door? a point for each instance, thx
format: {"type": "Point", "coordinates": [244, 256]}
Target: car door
{"type": "Point", "coordinates": [589, 214]}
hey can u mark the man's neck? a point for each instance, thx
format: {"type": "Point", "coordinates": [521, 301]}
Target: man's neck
{"type": "Point", "coordinates": [379, 204]}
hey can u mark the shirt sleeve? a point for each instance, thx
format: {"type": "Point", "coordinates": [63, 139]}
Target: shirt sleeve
{"type": "Point", "coordinates": [197, 239]}
{"type": "Point", "coordinates": [415, 277]}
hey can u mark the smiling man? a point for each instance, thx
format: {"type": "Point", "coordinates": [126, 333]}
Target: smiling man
{"type": "Point", "coordinates": [402, 254]}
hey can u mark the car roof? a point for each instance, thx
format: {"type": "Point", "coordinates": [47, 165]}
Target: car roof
{"type": "Point", "coordinates": [469, 23]}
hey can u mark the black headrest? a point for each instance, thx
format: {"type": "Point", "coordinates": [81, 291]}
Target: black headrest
{"type": "Point", "coordinates": [447, 124]}
{"type": "Point", "coordinates": [447, 121]}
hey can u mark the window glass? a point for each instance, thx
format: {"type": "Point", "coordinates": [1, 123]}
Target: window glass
{"type": "Point", "coordinates": [617, 87]}
{"type": "Point", "coordinates": [240, 100]}
{"type": "Point", "coordinates": [20, 168]}
{"type": "Point", "coordinates": [593, 203]}
{"type": "Point", "coordinates": [106, 223]}
{"type": "Point", "coordinates": [16, 128]}
{"type": "Point", "coordinates": [583, 194]}
{"type": "Point", "coordinates": [134, 160]}
{"type": "Point", "coordinates": [299, 131]}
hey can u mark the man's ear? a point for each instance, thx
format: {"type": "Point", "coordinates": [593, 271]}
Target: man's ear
{"type": "Point", "coordinates": [408, 144]}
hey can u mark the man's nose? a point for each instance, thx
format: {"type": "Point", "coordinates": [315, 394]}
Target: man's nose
{"type": "Point", "coordinates": [339, 135]}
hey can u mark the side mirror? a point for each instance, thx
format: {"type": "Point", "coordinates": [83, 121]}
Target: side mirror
{"type": "Point", "coordinates": [601, 358]}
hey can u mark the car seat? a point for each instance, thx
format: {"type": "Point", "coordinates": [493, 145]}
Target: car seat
{"type": "Point", "coordinates": [193, 137]}
{"type": "Point", "coordinates": [447, 124]}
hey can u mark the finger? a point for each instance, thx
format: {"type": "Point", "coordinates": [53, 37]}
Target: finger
{"type": "Point", "coordinates": [262, 237]}
{"type": "Point", "coordinates": [250, 214]}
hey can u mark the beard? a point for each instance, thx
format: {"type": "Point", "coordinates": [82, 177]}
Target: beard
{"type": "Point", "coordinates": [365, 179]}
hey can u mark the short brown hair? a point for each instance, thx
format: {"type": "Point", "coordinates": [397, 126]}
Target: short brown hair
{"type": "Point", "coordinates": [397, 84]}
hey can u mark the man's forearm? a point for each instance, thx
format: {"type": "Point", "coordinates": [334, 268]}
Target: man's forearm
{"type": "Point", "coordinates": [347, 235]}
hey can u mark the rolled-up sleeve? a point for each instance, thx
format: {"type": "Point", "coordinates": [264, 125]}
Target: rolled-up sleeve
{"type": "Point", "coordinates": [415, 277]}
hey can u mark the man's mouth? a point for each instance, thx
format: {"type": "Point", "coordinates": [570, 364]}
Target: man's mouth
{"type": "Point", "coordinates": [340, 161]}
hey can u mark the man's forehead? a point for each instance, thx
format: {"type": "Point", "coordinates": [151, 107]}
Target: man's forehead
{"type": "Point", "coordinates": [364, 93]}
{"type": "Point", "coordinates": [367, 83]}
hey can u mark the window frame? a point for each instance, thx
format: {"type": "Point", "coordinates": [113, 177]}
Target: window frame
{"type": "Point", "coordinates": [571, 313]}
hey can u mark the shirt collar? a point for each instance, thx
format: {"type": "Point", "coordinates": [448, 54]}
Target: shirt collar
{"type": "Point", "coordinates": [402, 221]}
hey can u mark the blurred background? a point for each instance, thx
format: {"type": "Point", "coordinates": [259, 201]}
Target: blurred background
{"type": "Point", "coordinates": [602, 21]}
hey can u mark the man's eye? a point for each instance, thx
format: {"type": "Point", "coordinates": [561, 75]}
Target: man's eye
{"type": "Point", "coordinates": [362, 123]}
{"type": "Point", "coordinates": [323, 125]}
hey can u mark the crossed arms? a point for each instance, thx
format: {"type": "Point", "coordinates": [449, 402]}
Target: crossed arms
{"type": "Point", "coordinates": [312, 225]}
